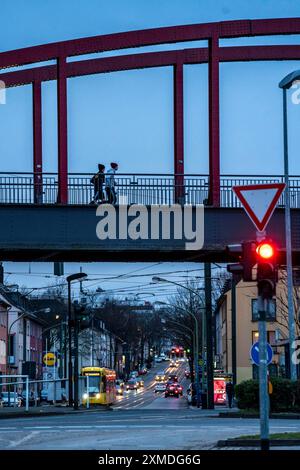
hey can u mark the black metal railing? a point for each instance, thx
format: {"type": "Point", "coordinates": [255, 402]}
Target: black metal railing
{"type": "Point", "coordinates": [26, 188]}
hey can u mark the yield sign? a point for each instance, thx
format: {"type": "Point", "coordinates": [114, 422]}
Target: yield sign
{"type": "Point", "coordinates": [259, 201]}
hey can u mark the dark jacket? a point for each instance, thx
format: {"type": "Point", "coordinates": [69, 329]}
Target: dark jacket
{"type": "Point", "coordinates": [229, 389]}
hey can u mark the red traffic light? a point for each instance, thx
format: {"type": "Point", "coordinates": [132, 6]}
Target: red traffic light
{"type": "Point", "coordinates": [265, 251]}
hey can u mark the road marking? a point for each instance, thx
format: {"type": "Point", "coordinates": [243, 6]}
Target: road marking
{"type": "Point", "coordinates": [24, 439]}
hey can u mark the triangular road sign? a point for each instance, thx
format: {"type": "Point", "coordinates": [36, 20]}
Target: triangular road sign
{"type": "Point", "coordinates": [259, 201]}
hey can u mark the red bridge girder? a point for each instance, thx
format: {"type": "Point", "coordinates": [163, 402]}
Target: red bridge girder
{"type": "Point", "coordinates": [213, 55]}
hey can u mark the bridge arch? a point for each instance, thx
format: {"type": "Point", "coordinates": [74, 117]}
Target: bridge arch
{"type": "Point", "coordinates": [213, 55]}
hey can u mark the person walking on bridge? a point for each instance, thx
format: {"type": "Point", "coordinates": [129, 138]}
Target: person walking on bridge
{"type": "Point", "coordinates": [98, 182]}
{"type": "Point", "coordinates": [110, 184]}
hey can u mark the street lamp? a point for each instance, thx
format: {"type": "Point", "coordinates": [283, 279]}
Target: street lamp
{"type": "Point", "coordinates": [70, 279]}
{"type": "Point", "coordinates": [156, 280]}
{"type": "Point", "coordinates": [286, 84]}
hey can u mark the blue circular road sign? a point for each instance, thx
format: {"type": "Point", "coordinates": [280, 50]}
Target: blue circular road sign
{"type": "Point", "coordinates": [254, 353]}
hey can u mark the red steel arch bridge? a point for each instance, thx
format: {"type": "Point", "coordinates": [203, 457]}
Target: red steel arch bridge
{"type": "Point", "coordinates": [63, 198]}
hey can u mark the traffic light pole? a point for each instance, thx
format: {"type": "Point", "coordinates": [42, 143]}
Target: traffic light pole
{"type": "Point", "coordinates": [288, 240]}
{"type": "Point", "coordinates": [263, 371]}
{"type": "Point", "coordinates": [209, 338]}
{"type": "Point", "coordinates": [76, 394]}
{"type": "Point", "coordinates": [70, 367]}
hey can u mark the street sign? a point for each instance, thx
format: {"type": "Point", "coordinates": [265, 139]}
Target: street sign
{"type": "Point", "coordinates": [49, 359]}
{"type": "Point", "coordinates": [254, 353]}
{"type": "Point", "coordinates": [259, 201]}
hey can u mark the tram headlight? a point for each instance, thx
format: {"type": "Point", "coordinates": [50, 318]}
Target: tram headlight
{"type": "Point", "coordinates": [85, 396]}
{"type": "Point", "coordinates": [98, 395]}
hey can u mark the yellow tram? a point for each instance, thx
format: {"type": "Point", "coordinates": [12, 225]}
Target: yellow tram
{"type": "Point", "coordinates": [100, 386]}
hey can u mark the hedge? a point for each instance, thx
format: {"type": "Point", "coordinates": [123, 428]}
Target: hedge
{"type": "Point", "coordinates": [285, 396]}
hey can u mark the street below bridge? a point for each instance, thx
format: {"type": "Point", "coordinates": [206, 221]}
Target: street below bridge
{"type": "Point", "coordinates": [160, 429]}
{"type": "Point", "coordinates": [140, 420]}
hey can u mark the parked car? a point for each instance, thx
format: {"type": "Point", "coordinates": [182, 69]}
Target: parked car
{"type": "Point", "coordinates": [160, 387]}
{"type": "Point", "coordinates": [142, 371]}
{"type": "Point", "coordinates": [34, 399]}
{"type": "Point", "coordinates": [44, 394]}
{"type": "Point", "coordinates": [158, 359]}
{"type": "Point", "coordinates": [11, 399]}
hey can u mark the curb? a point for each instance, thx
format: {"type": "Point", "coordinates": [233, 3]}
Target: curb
{"type": "Point", "coordinates": [41, 413]}
{"type": "Point", "coordinates": [256, 443]}
{"type": "Point", "coordinates": [256, 416]}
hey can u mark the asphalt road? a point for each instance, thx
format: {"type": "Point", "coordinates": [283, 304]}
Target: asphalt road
{"type": "Point", "coordinates": [145, 398]}
{"type": "Point", "coordinates": [137, 429]}
{"type": "Point", "coordinates": [140, 420]}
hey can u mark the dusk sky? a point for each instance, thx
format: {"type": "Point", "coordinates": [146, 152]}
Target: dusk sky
{"type": "Point", "coordinates": [127, 116]}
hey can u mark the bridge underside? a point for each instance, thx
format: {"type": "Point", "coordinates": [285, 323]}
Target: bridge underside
{"type": "Point", "coordinates": [68, 233]}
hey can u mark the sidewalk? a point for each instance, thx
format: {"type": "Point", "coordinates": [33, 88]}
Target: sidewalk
{"type": "Point", "coordinates": [45, 410]}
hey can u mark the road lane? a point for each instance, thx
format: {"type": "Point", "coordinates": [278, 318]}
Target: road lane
{"type": "Point", "coordinates": [146, 397]}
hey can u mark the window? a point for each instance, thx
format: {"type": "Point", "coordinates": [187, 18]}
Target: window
{"type": "Point", "coordinates": [270, 315]}
{"type": "Point", "coordinates": [270, 337]}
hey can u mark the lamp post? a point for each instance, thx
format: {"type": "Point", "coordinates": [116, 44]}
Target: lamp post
{"type": "Point", "coordinates": [156, 280]}
{"type": "Point", "coordinates": [71, 321]}
{"type": "Point", "coordinates": [286, 84]}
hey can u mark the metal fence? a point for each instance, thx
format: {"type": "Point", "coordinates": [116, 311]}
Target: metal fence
{"type": "Point", "coordinates": [21, 188]}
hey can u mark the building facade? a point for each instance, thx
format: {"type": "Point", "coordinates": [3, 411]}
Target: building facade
{"type": "Point", "coordinates": [238, 304]}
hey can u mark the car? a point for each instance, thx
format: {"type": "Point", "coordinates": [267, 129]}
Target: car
{"type": "Point", "coordinates": [119, 387]}
{"type": "Point", "coordinates": [173, 363]}
{"type": "Point", "coordinates": [180, 388]}
{"type": "Point", "coordinates": [142, 371]}
{"type": "Point", "coordinates": [140, 382]}
{"type": "Point", "coordinates": [160, 376]}
{"type": "Point", "coordinates": [33, 398]}
{"type": "Point", "coordinates": [134, 374]}
{"type": "Point", "coordinates": [187, 373]}
{"type": "Point", "coordinates": [160, 387]}
{"type": "Point", "coordinates": [158, 359]}
{"type": "Point", "coordinates": [132, 384]}
{"type": "Point", "coordinates": [11, 399]}
{"type": "Point", "coordinates": [44, 394]}
{"type": "Point", "coordinates": [173, 378]}
{"type": "Point", "coordinates": [172, 390]}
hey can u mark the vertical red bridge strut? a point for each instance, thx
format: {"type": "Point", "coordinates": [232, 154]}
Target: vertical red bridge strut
{"type": "Point", "coordinates": [37, 142]}
{"type": "Point", "coordinates": [178, 132]}
{"type": "Point", "coordinates": [214, 123]}
{"type": "Point", "coordinates": [62, 123]}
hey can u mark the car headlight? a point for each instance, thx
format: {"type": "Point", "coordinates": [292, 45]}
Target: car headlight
{"type": "Point", "coordinates": [98, 395]}
{"type": "Point", "coordinates": [85, 396]}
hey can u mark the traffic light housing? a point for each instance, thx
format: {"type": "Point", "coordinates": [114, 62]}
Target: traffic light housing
{"type": "Point", "coordinates": [245, 252]}
{"type": "Point", "coordinates": [267, 269]}
{"type": "Point", "coordinates": [81, 315]}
